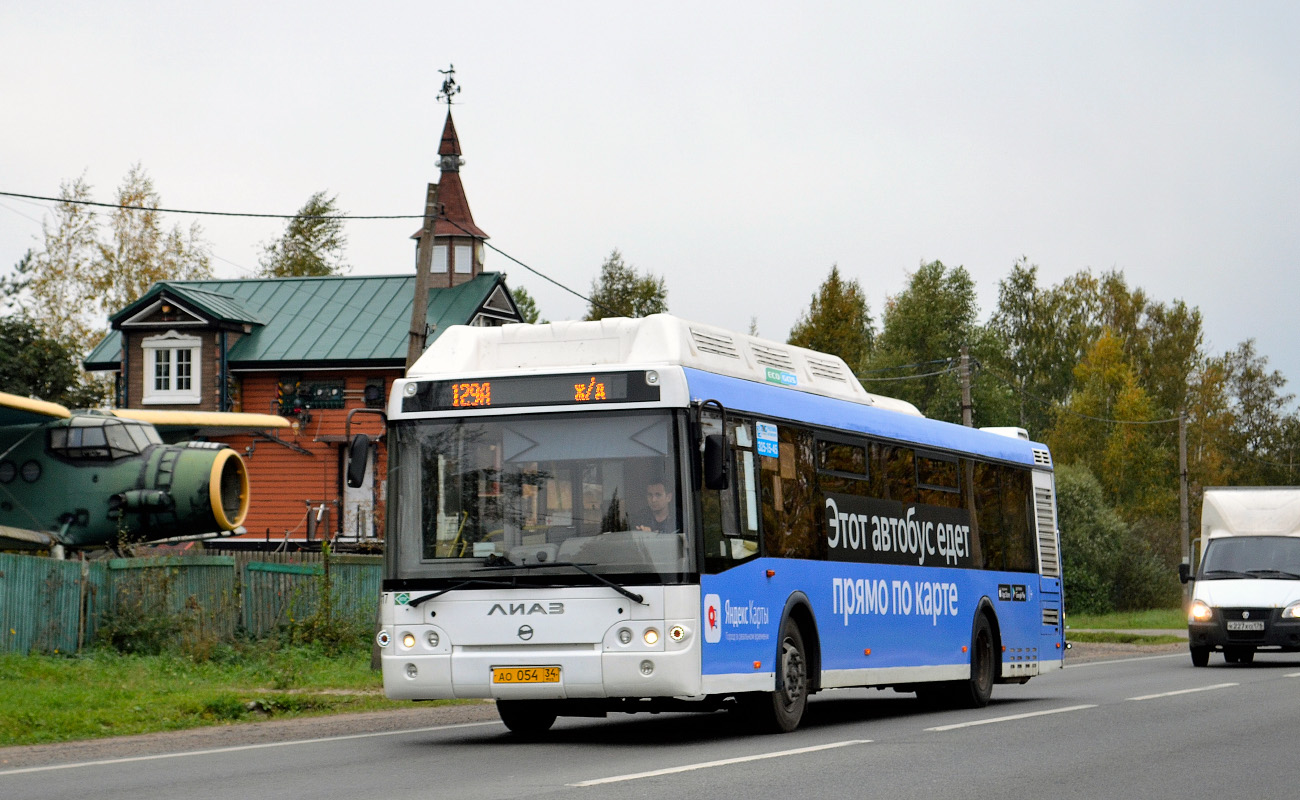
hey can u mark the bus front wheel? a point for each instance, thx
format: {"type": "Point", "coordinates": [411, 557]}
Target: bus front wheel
{"type": "Point", "coordinates": [781, 711]}
{"type": "Point", "coordinates": [526, 718]}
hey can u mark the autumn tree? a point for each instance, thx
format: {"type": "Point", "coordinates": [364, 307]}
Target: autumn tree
{"type": "Point", "coordinates": [837, 321]}
{"type": "Point", "coordinates": [139, 251]}
{"type": "Point", "coordinates": [83, 273]}
{"type": "Point", "coordinates": [1126, 456]}
{"type": "Point", "coordinates": [621, 291]}
{"type": "Point", "coordinates": [312, 243]}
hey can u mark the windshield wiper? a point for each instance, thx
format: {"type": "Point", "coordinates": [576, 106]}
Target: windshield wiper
{"type": "Point", "coordinates": [1212, 574]}
{"type": "Point", "coordinates": [505, 563]}
{"type": "Point", "coordinates": [415, 601]}
{"type": "Point", "coordinates": [1282, 572]}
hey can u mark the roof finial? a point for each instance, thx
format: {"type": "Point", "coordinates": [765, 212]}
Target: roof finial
{"type": "Point", "coordinates": [449, 86]}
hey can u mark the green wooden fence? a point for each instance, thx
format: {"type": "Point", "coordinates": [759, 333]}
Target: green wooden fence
{"type": "Point", "coordinates": [50, 606]}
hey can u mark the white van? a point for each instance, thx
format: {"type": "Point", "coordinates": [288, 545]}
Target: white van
{"type": "Point", "coordinates": [1246, 595]}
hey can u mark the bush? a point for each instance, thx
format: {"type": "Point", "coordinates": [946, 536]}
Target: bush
{"type": "Point", "coordinates": [1107, 565]}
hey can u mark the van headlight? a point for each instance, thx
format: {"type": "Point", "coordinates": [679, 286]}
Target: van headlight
{"type": "Point", "coordinates": [1292, 611]}
{"type": "Point", "coordinates": [1199, 612]}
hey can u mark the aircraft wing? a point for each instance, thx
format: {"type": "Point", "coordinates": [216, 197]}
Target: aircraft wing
{"type": "Point", "coordinates": [16, 410]}
{"type": "Point", "coordinates": [12, 538]}
{"type": "Point", "coordinates": [176, 426]}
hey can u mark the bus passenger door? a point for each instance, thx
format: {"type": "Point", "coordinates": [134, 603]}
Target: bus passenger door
{"type": "Point", "coordinates": [729, 517]}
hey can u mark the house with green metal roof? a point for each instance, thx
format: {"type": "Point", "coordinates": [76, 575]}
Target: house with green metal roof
{"type": "Point", "coordinates": [314, 349]}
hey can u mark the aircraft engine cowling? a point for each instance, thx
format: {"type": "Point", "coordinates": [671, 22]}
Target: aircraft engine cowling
{"type": "Point", "coordinates": [192, 488]}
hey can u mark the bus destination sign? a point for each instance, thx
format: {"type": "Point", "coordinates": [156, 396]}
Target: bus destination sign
{"type": "Point", "coordinates": [521, 391]}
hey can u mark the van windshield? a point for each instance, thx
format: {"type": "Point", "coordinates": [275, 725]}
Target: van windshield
{"type": "Point", "coordinates": [1252, 557]}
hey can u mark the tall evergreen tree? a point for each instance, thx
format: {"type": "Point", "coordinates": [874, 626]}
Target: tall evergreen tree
{"type": "Point", "coordinates": [312, 243]}
{"type": "Point", "coordinates": [837, 321]}
{"type": "Point", "coordinates": [621, 291]}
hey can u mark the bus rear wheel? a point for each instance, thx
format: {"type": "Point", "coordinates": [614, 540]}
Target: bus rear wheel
{"type": "Point", "coordinates": [782, 710]}
{"type": "Point", "coordinates": [526, 718]}
{"type": "Point", "coordinates": [975, 691]}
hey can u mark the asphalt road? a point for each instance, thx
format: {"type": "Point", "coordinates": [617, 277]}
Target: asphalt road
{"type": "Point", "coordinates": [1142, 724]}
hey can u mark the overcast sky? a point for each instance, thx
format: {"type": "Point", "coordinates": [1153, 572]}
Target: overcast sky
{"type": "Point", "coordinates": [736, 149]}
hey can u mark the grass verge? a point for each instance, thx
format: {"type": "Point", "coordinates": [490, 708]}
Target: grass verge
{"type": "Point", "coordinates": [104, 693]}
{"type": "Point", "coordinates": [1154, 619]}
{"type": "Point", "coordinates": [1117, 637]}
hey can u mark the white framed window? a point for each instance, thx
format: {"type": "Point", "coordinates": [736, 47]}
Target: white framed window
{"type": "Point", "coordinates": [464, 261]}
{"type": "Point", "coordinates": [172, 369]}
{"type": "Point", "coordinates": [439, 258]}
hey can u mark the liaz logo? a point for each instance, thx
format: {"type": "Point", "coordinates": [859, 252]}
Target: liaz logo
{"type": "Point", "coordinates": [781, 376]}
{"type": "Point", "coordinates": [515, 609]}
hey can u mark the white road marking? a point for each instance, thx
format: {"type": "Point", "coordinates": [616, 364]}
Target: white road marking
{"type": "Point", "coordinates": [236, 748]}
{"type": "Point", "coordinates": [1185, 691]}
{"type": "Point", "coordinates": [1008, 719]}
{"type": "Point", "coordinates": [1292, 675]}
{"type": "Point", "coordinates": [721, 763]}
{"type": "Point", "coordinates": [1123, 660]}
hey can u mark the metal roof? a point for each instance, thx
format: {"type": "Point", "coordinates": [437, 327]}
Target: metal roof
{"type": "Point", "coordinates": [315, 321]}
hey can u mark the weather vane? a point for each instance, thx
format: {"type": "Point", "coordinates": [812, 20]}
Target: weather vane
{"type": "Point", "coordinates": [449, 86]}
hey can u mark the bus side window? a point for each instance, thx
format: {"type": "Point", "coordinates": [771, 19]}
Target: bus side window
{"type": "Point", "coordinates": [792, 513]}
{"type": "Point", "coordinates": [900, 475]}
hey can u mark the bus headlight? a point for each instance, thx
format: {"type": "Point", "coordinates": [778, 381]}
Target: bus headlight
{"type": "Point", "coordinates": [1200, 612]}
{"type": "Point", "coordinates": [651, 636]}
{"type": "Point", "coordinates": [432, 638]}
{"type": "Point", "coordinates": [381, 638]}
{"type": "Point", "coordinates": [677, 633]}
{"type": "Point", "coordinates": [1292, 611]}
{"type": "Point", "coordinates": [408, 640]}
{"type": "Point", "coordinates": [625, 635]}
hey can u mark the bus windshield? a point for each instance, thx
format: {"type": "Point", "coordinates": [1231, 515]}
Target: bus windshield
{"type": "Point", "coordinates": [538, 491]}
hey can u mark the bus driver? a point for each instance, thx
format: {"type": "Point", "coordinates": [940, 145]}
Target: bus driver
{"type": "Point", "coordinates": [659, 517]}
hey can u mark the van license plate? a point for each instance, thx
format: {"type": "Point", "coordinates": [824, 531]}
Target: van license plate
{"type": "Point", "coordinates": [525, 674]}
{"type": "Point", "coordinates": [1244, 625]}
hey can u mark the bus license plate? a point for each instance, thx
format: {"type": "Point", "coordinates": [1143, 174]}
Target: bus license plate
{"type": "Point", "coordinates": [525, 674]}
{"type": "Point", "coordinates": [1242, 625]}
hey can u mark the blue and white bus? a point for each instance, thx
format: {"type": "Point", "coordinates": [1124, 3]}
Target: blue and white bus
{"type": "Point", "coordinates": [654, 514]}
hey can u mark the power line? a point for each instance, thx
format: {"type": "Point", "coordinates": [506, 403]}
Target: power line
{"type": "Point", "coordinates": [909, 377]}
{"type": "Point", "coordinates": [209, 213]}
{"type": "Point", "coordinates": [442, 217]}
{"type": "Point", "coordinates": [501, 252]}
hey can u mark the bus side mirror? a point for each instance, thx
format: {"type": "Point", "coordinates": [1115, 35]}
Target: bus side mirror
{"type": "Point", "coordinates": [1184, 573]}
{"type": "Point", "coordinates": [358, 460]}
{"type": "Point", "coordinates": [717, 474]}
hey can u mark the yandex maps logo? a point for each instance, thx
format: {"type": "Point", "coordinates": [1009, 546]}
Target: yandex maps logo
{"type": "Point", "coordinates": [712, 618]}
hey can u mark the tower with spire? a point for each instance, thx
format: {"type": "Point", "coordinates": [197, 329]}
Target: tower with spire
{"type": "Point", "coordinates": [457, 247]}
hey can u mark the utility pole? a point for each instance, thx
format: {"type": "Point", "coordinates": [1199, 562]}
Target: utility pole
{"type": "Point", "coordinates": [963, 373]}
{"type": "Point", "coordinates": [423, 264]}
{"type": "Point", "coordinates": [1182, 497]}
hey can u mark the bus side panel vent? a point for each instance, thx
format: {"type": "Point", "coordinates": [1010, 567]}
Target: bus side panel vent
{"type": "Point", "coordinates": [716, 344]}
{"type": "Point", "coordinates": [1042, 458]}
{"type": "Point", "coordinates": [1052, 617]}
{"type": "Point", "coordinates": [772, 357]}
{"type": "Point", "coordinates": [1047, 549]}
